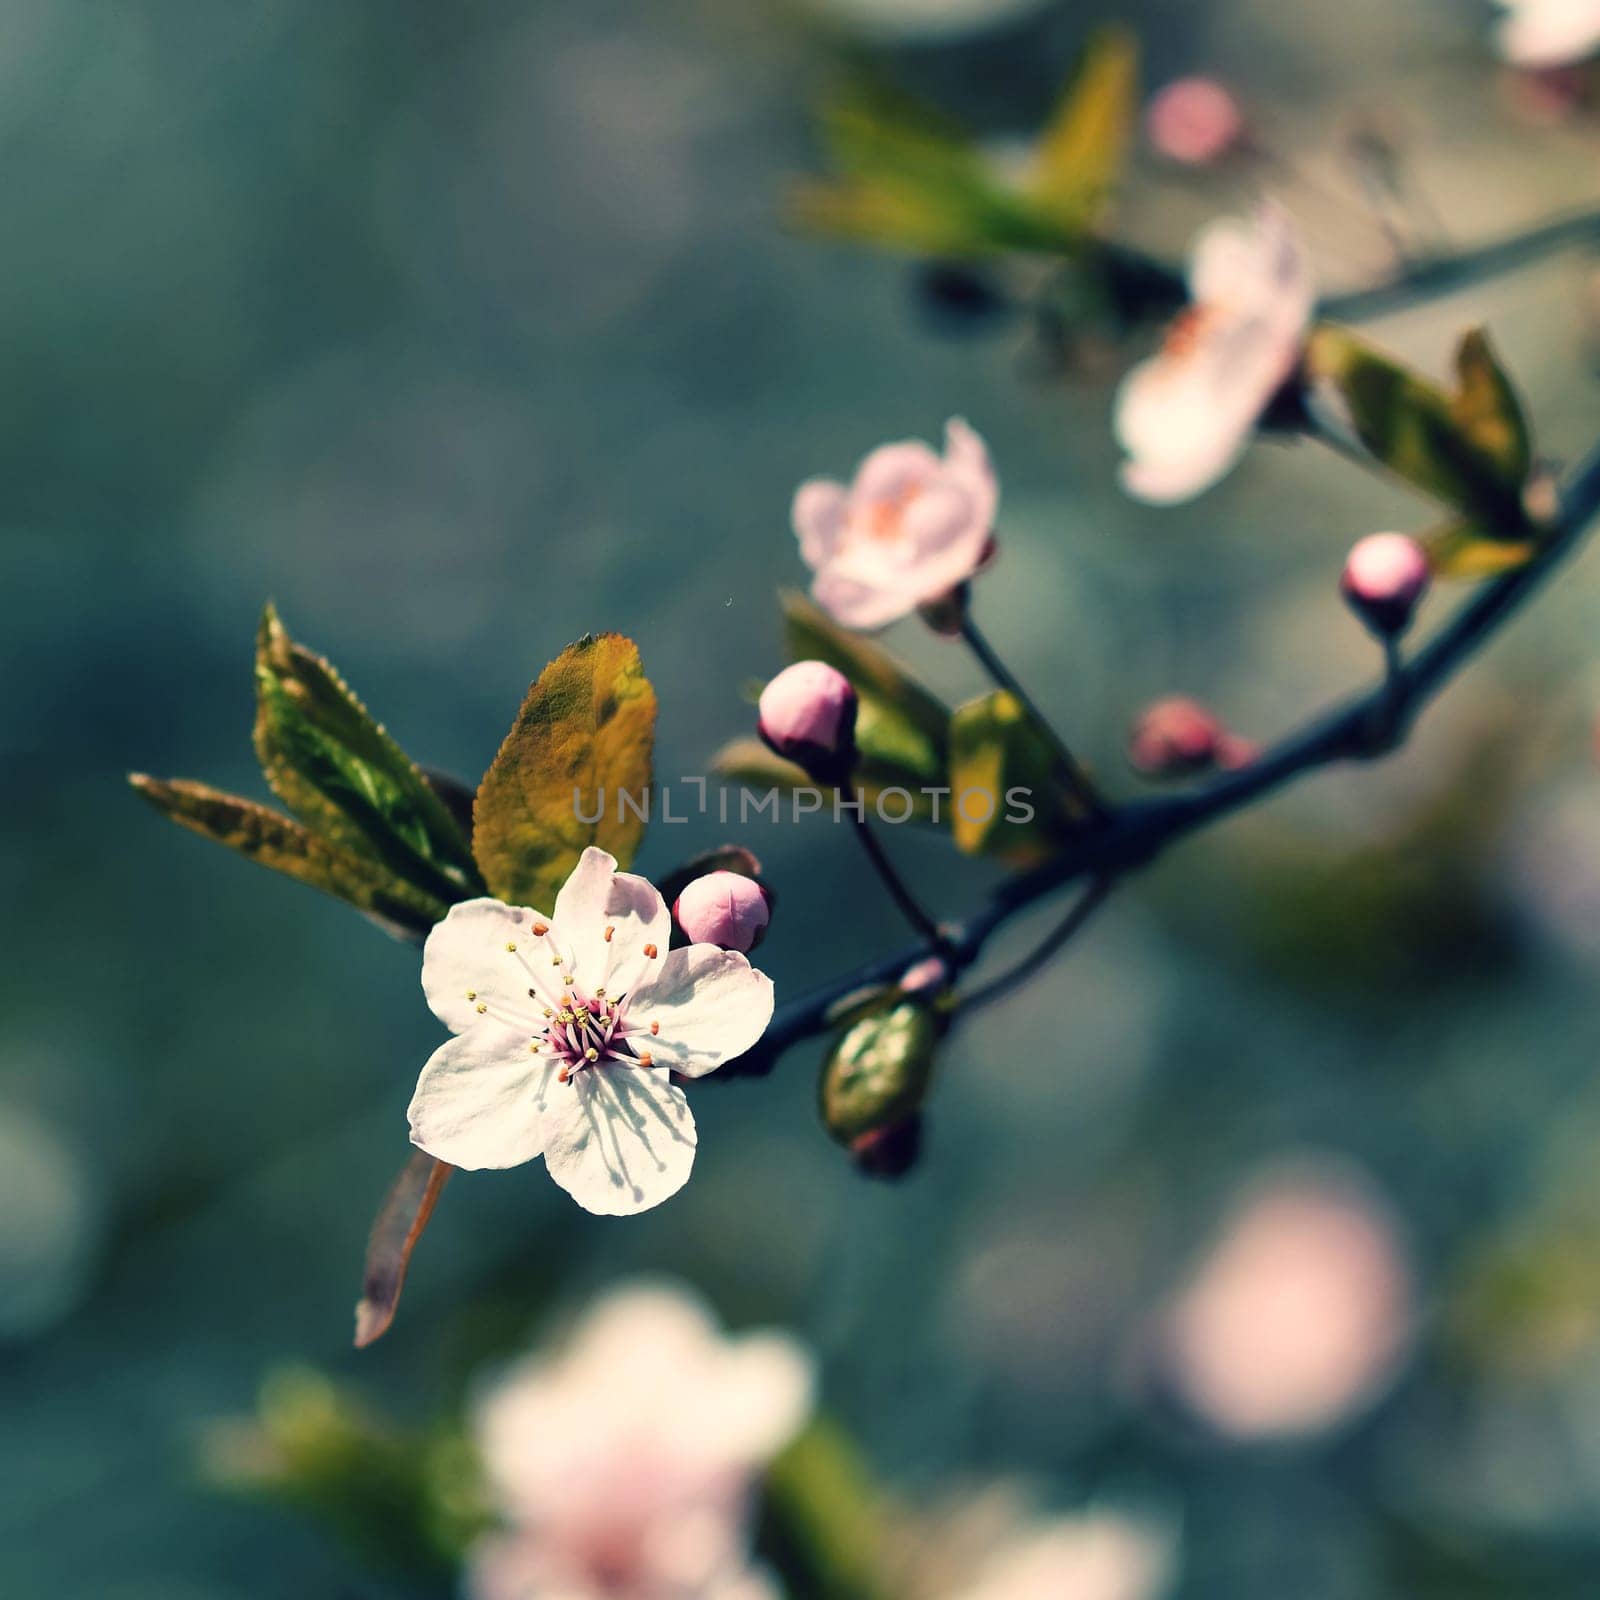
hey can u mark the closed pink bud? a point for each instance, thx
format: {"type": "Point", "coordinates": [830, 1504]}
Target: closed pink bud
{"type": "Point", "coordinates": [1194, 120]}
{"type": "Point", "coordinates": [807, 714]}
{"type": "Point", "coordinates": [1385, 575]}
{"type": "Point", "coordinates": [726, 909]}
{"type": "Point", "coordinates": [1175, 737]}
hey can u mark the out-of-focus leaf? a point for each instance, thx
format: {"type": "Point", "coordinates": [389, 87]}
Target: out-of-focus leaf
{"type": "Point", "coordinates": [286, 846]}
{"type": "Point", "coordinates": [373, 1487]}
{"type": "Point", "coordinates": [401, 1219]}
{"type": "Point", "coordinates": [1486, 408]}
{"type": "Point", "coordinates": [900, 727]}
{"type": "Point", "coordinates": [1084, 146]}
{"type": "Point", "coordinates": [995, 748]}
{"type": "Point", "coordinates": [877, 1072]}
{"type": "Point", "coordinates": [1459, 550]}
{"type": "Point", "coordinates": [821, 1522]}
{"type": "Point", "coordinates": [1412, 428]}
{"type": "Point", "coordinates": [908, 180]}
{"type": "Point", "coordinates": [750, 763]}
{"type": "Point", "coordinates": [583, 739]}
{"type": "Point", "coordinates": [337, 769]}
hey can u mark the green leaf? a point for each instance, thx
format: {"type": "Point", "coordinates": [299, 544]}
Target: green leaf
{"type": "Point", "coordinates": [1412, 427]}
{"type": "Point", "coordinates": [878, 1071]}
{"type": "Point", "coordinates": [582, 740]}
{"type": "Point", "coordinates": [1486, 408]}
{"type": "Point", "coordinates": [1084, 146]}
{"type": "Point", "coordinates": [900, 727]}
{"type": "Point", "coordinates": [821, 1521]}
{"type": "Point", "coordinates": [337, 769]}
{"type": "Point", "coordinates": [1460, 550]}
{"type": "Point", "coordinates": [996, 747]}
{"type": "Point", "coordinates": [286, 846]}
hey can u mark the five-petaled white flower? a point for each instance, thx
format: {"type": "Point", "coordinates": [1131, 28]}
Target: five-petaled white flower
{"type": "Point", "coordinates": [1549, 33]}
{"type": "Point", "coordinates": [911, 527]}
{"type": "Point", "coordinates": [569, 1030]}
{"type": "Point", "coordinates": [623, 1467]}
{"type": "Point", "coordinates": [1185, 415]}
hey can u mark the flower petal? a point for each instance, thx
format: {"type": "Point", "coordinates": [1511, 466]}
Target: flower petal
{"type": "Point", "coordinates": [893, 471]}
{"type": "Point", "coordinates": [967, 456]}
{"type": "Point", "coordinates": [597, 897]}
{"type": "Point", "coordinates": [854, 604]}
{"type": "Point", "coordinates": [710, 1005]}
{"type": "Point", "coordinates": [619, 1139]}
{"type": "Point", "coordinates": [475, 971]}
{"type": "Point", "coordinates": [818, 517]}
{"type": "Point", "coordinates": [480, 1100]}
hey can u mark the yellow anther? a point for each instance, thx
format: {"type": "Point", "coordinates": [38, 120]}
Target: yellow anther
{"type": "Point", "coordinates": [599, 994]}
{"type": "Point", "coordinates": [592, 1053]}
{"type": "Point", "coordinates": [472, 994]}
{"type": "Point", "coordinates": [511, 946]}
{"type": "Point", "coordinates": [482, 1008]}
{"type": "Point", "coordinates": [566, 977]}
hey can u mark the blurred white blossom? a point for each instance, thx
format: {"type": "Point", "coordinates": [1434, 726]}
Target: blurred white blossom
{"type": "Point", "coordinates": [1185, 415]}
{"type": "Point", "coordinates": [1549, 33]}
{"type": "Point", "coordinates": [623, 1465]}
{"type": "Point", "coordinates": [1096, 1555]}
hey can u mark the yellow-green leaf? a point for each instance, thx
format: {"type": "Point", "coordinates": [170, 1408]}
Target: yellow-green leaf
{"type": "Point", "coordinates": [1411, 427]}
{"type": "Point", "coordinates": [878, 1070]}
{"type": "Point", "coordinates": [1459, 550]}
{"type": "Point", "coordinates": [286, 846]}
{"type": "Point", "coordinates": [338, 770]}
{"type": "Point", "coordinates": [1486, 408]}
{"type": "Point", "coordinates": [997, 751]}
{"type": "Point", "coordinates": [581, 742]}
{"type": "Point", "coordinates": [1083, 148]}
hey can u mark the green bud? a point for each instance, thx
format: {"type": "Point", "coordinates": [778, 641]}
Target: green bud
{"type": "Point", "coordinates": [877, 1073]}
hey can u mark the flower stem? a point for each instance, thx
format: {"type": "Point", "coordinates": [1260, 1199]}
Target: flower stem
{"type": "Point", "coordinates": [1077, 780]}
{"type": "Point", "coordinates": [1082, 909]}
{"type": "Point", "coordinates": [910, 909]}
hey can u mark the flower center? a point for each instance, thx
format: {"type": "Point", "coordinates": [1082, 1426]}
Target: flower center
{"type": "Point", "coordinates": [588, 1031]}
{"type": "Point", "coordinates": [883, 518]}
{"type": "Point", "coordinates": [1187, 331]}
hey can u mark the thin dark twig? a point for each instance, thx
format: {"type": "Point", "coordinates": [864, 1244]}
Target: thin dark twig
{"type": "Point", "coordinates": [1363, 728]}
{"type": "Point", "coordinates": [890, 876]}
{"type": "Point", "coordinates": [1082, 909]}
{"type": "Point", "coordinates": [1078, 780]}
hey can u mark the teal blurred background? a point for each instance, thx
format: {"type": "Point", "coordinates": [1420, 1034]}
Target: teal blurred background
{"type": "Point", "coordinates": [460, 331]}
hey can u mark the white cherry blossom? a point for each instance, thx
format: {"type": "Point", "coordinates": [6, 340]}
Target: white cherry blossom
{"type": "Point", "coordinates": [569, 1029]}
{"type": "Point", "coordinates": [1185, 415]}
{"type": "Point", "coordinates": [623, 1466]}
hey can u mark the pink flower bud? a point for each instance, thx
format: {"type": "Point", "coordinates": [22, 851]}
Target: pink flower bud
{"type": "Point", "coordinates": [726, 909]}
{"type": "Point", "coordinates": [807, 715]}
{"type": "Point", "coordinates": [1193, 120]}
{"type": "Point", "coordinates": [1175, 737]}
{"type": "Point", "coordinates": [1385, 575]}
{"type": "Point", "coordinates": [925, 977]}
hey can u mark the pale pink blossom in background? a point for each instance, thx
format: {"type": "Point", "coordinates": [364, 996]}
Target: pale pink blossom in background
{"type": "Point", "coordinates": [1549, 33]}
{"type": "Point", "coordinates": [1096, 1555]}
{"type": "Point", "coordinates": [569, 1029]}
{"type": "Point", "coordinates": [623, 1466]}
{"type": "Point", "coordinates": [1194, 121]}
{"type": "Point", "coordinates": [1185, 415]}
{"type": "Point", "coordinates": [909, 528]}
{"type": "Point", "coordinates": [1301, 1313]}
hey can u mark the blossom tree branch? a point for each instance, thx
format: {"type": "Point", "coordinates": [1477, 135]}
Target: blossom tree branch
{"type": "Point", "coordinates": [1363, 728]}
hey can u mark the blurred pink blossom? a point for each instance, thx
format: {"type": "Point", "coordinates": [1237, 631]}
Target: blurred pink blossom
{"type": "Point", "coordinates": [1185, 415]}
{"type": "Point", "coordinates": [910, 527]}
{"type": "Point", "coordinates": [623, 1466]}
{"type": "Point", "coordinates": [1301, 1312]}
{"type": "Point", "coordinates": [1177, 737]}
{"type": "Point", "coordinates": [1193, 120]}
